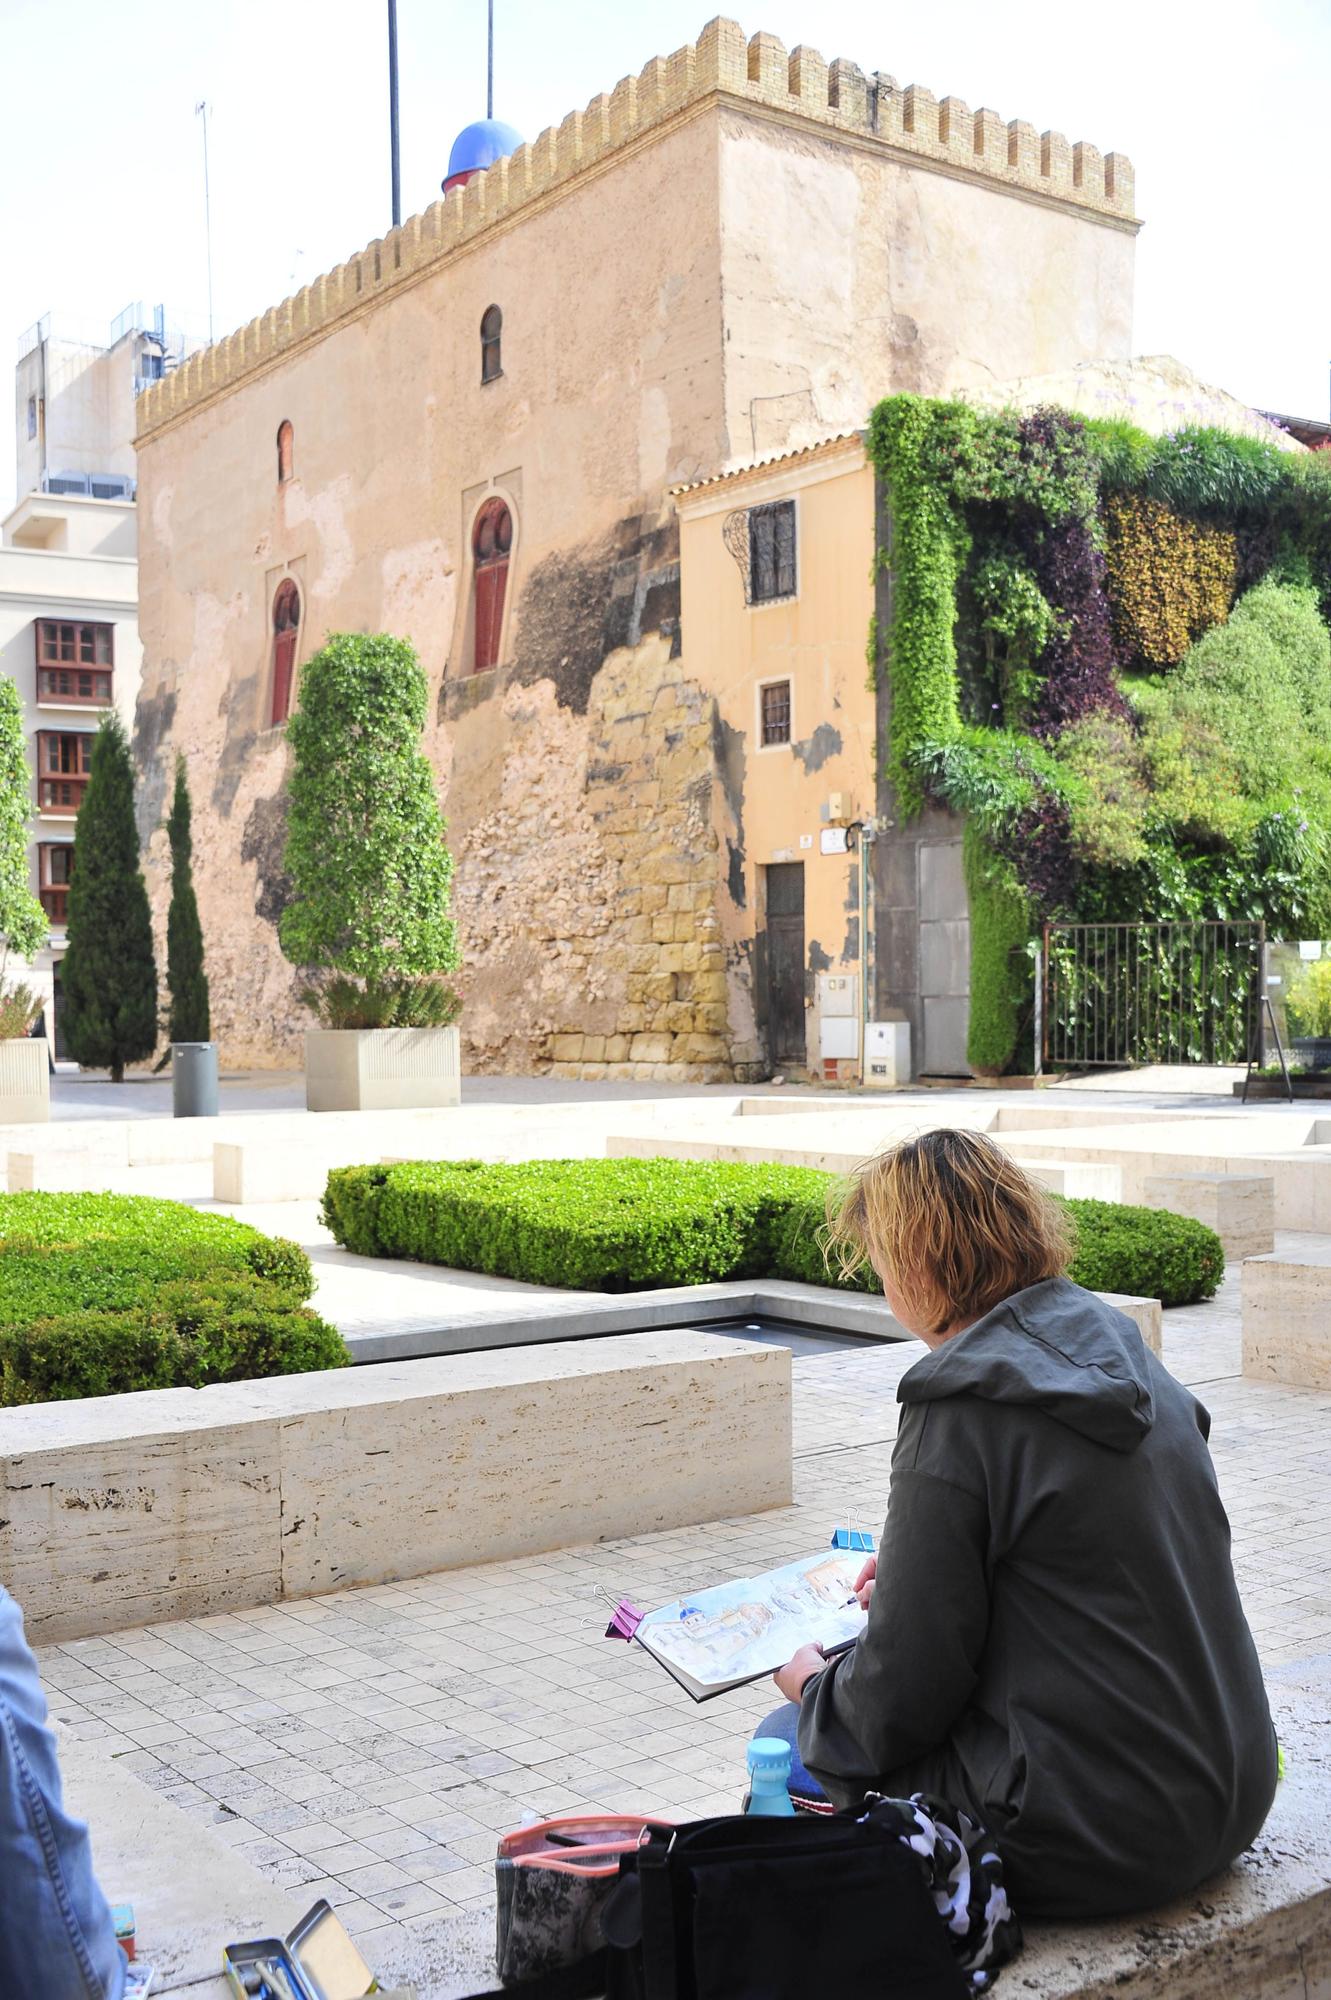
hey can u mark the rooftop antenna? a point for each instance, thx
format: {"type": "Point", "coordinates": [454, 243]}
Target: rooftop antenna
{"type": "Point", "coordinates": [201, 110]}
{"type": "Point", "coordinates": [490, 64]}
{"type": "Point", "coordinates": [392, 113]}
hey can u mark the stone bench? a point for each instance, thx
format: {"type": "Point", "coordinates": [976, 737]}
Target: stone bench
{"type": "Point", "coordinates": [123, 1510]}
{"type": "Point", "coordinates": [1081, 1180]}
{"type": "Point", "coordinates": [1287, 1317]}
{"type": "Point", "coordinates": [1100, 1182]}
{"type": "Point", "coordinates": [1241, 1208]}
{"type": "Point", "coordinates": [1260, 1931]}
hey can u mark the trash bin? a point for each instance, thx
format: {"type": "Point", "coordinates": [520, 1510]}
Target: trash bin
{"type": "Point", "coordinates": [194, 1079]}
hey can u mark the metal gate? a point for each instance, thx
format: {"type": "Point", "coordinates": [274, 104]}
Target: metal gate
{"type": "Point", "coordinates": [1125, 994]}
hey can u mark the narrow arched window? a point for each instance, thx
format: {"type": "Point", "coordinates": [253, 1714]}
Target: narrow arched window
{"type": "Point", "coordinates": [492, 326]}
{"type": "Point", "coordinates": [491, 542]}
{"type": "Point", "coordinates": [285, 448]}
{"type": "Point", "coordinates": [286, 634]}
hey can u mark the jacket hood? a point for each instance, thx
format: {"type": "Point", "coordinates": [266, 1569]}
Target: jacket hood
{"type": "Point", "coordinates": [1055, 1348]}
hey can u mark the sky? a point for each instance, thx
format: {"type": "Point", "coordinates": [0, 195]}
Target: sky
{"type": "Point", "coordinates": [1221, 106]}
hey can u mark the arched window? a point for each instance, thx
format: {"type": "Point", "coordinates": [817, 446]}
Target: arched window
{"type": "Point", "coordinates": [286, 634]}
{"type": "Point", "coordinates": [285, 447]}
{"type": "Point", "coordinates": [492, 326]}
{"type": "Point", "coordinates": [491, 541]}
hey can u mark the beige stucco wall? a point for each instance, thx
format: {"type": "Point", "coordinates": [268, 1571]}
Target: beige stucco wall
{"type": "Point", "coordinates": [611, 389]}
{"type": "Point", "coordinates": [850, 275]}
{"type": "Point", "coordinates": [771, 801]}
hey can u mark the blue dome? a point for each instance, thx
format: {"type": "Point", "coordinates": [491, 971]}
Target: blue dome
{"type": "Point", "coordinates": [481, 144]}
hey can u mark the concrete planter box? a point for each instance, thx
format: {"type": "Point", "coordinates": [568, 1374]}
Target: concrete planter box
{"type": "Point", "coordinates": [381, 1069]}
{"type": "Point", "coordinates": [25, 1082]}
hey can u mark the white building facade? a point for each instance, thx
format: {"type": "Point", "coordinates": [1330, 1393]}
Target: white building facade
{"type": "Point", "coordinates": [69, 638]}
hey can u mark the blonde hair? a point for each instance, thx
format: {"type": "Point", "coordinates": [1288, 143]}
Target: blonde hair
{"type": "Point", "coordinates": [953, 1222]}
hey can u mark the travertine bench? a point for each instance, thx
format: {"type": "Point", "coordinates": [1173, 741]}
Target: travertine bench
{"type": "Point", "coordinates": [1287, 1317]}
{"type": "Point", "coordinates": [1261, 1931]}
{"type": "Point", "coordinates": [1241, 1208]}
{"type": "Point", "coordinates": [122, 1510]}
{"type": "Point", "coordinates": [1086, 1180]}
{"type": "Point", "coordinates": [1068, 1177]}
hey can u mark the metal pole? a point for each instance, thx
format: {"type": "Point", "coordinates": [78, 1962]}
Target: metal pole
{"type": "Point", "coordinates": [490, 64]}
{"type": "Point", "coordinates": [392, 113]}
{"type": "Point", "coordinates": [1038, 1025]}
{"type": "Point", "coordinates": [867, 836]}
{"type": "Point", "coordinates": [201, 111]}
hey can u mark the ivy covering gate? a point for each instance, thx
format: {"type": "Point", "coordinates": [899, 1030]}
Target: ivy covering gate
{"type": "Point", "coordinates": [1119, 994]}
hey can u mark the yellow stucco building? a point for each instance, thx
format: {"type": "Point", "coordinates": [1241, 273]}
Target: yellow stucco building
{"type": "Point", "coordinates": [527, 431]}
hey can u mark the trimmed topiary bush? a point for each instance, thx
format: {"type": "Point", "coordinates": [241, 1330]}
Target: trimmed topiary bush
{"type": "Point", "coordinates": [628, 1225]}
{"type": "Point", "coordinates": [1150, 1251]}
{"type": "Point", "coordinates": [101, 1294]}
{"type": "Point", "coordinates": [593, 1225]}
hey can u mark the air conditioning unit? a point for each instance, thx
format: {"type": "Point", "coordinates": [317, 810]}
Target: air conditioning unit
{"type": "Point", "coordinates": [886, 1054]}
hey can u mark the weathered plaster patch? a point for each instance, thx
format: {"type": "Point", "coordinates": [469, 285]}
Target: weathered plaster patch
{"type": "Point", "coordinates": [418, 592]}
{"type": "Point", "coordinates": [264, 842]}
{"type": "Point", "coordinates": [814, 751]}
{"type": "Point", "coordinates": [326, 512]}
{"type": "Point", "coordinates": [730, 754]}
{"type": "Point", "coordinates": [154, 716]}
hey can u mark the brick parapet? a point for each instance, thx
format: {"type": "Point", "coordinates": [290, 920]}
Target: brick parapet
{"type": "Point", "coordinates": [722, 64]}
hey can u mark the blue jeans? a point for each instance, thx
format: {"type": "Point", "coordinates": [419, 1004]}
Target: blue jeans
{"type": "Point", "coordinates": [784, 1722]}
{"type": "Point", "coordinates": [56, 1934]}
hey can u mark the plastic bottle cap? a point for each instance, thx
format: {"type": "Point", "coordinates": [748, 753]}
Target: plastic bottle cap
{"type": "Point", "coordinates": [769, 1755]}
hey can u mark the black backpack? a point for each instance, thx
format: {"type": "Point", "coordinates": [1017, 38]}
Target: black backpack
{"type": "Point", "coordinates": [763, 1909]}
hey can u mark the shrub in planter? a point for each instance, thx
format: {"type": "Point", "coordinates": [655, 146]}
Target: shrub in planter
{"type": "Point", "coordinates": [1147, 1252]}
{"type": "Point", "coordinates": [595, 1225]}
{"type": "Point", "coordinates": [194, 1332]}
{"type": "Point", "coordinates": [623, 1225]}
{"type": "Point", "coordinates": [101, 1294]}
{"type": "Point", "coordinates": [1150, 1251]}
{"type": "Point", "coordinates": [371, 877]}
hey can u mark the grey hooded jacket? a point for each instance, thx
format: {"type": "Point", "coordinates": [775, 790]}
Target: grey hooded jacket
{"type": "Point", "coordinates": [1056, 1641]}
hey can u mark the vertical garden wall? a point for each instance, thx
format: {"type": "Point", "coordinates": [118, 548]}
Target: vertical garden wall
{"type": "Point", "coordinates": [1111, 653]}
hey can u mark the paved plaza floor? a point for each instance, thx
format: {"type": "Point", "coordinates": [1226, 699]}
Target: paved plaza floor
{"type": "Point", "coordinates": [369, 1746]}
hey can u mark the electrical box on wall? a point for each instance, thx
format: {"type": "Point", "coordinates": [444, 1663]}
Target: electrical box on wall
{"type": "Point", "coordinates": [886, 1054]}
{"type": "Point", "coordinates": [838, 993]}
{"type": "Point", "coordinates": [838, 1016]}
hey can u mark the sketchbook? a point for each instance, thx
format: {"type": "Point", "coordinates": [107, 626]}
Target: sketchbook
{"type": "Point", "coordinates": [738, 1632]}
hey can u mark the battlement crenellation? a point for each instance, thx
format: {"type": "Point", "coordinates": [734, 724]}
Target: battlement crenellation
{"type": "Point", "coordinates": [757, 71]}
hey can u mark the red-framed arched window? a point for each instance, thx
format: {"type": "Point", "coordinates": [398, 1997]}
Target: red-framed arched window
{"type": "Point", "coordinates": [491, 542]}
{"type": "Point", "coordinates": [286, 634]}
{"type": "Point", "coordinates": [286, 440]}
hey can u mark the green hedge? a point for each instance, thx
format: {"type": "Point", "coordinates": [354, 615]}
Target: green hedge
{"type": "Point", "coordinates": [101, 1294]}
{"type": "Point", "coordinates": [593, 1225]}
{"type": "Point", "coordinates": [629, 1225]}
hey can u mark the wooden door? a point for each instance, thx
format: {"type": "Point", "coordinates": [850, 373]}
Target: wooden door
{"type": "Point", "coordinates": [786, 1034]}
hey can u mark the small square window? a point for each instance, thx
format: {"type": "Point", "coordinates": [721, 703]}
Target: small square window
{"type": "Point", "coordinates": [772, 552]}
{"type": "Point", "coordinates": [775, 709]}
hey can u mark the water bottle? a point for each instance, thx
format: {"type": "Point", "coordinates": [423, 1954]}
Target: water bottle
{"type": "Point", "coordinates": [769, 1777]}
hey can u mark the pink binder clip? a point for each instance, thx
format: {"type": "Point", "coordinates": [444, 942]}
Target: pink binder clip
{"type": "Point", "coordinates": [625, 1621]}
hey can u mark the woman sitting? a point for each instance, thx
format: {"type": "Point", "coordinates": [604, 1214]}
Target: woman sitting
{"type": "Point", "coordinates": [1055, 1641]}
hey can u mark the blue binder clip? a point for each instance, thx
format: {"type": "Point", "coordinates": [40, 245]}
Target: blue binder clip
{"type": "Point", "coordinates": [853, 1538]}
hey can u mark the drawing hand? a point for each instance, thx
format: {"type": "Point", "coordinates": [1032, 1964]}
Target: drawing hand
{"type": "Point", "coordinates": [864, 1582]}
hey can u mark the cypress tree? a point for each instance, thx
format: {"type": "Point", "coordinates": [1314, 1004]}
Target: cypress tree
{"type": "Point", "coordinates": [109, 980]}
{"type": "Point", "coordinates": [185, 976]}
